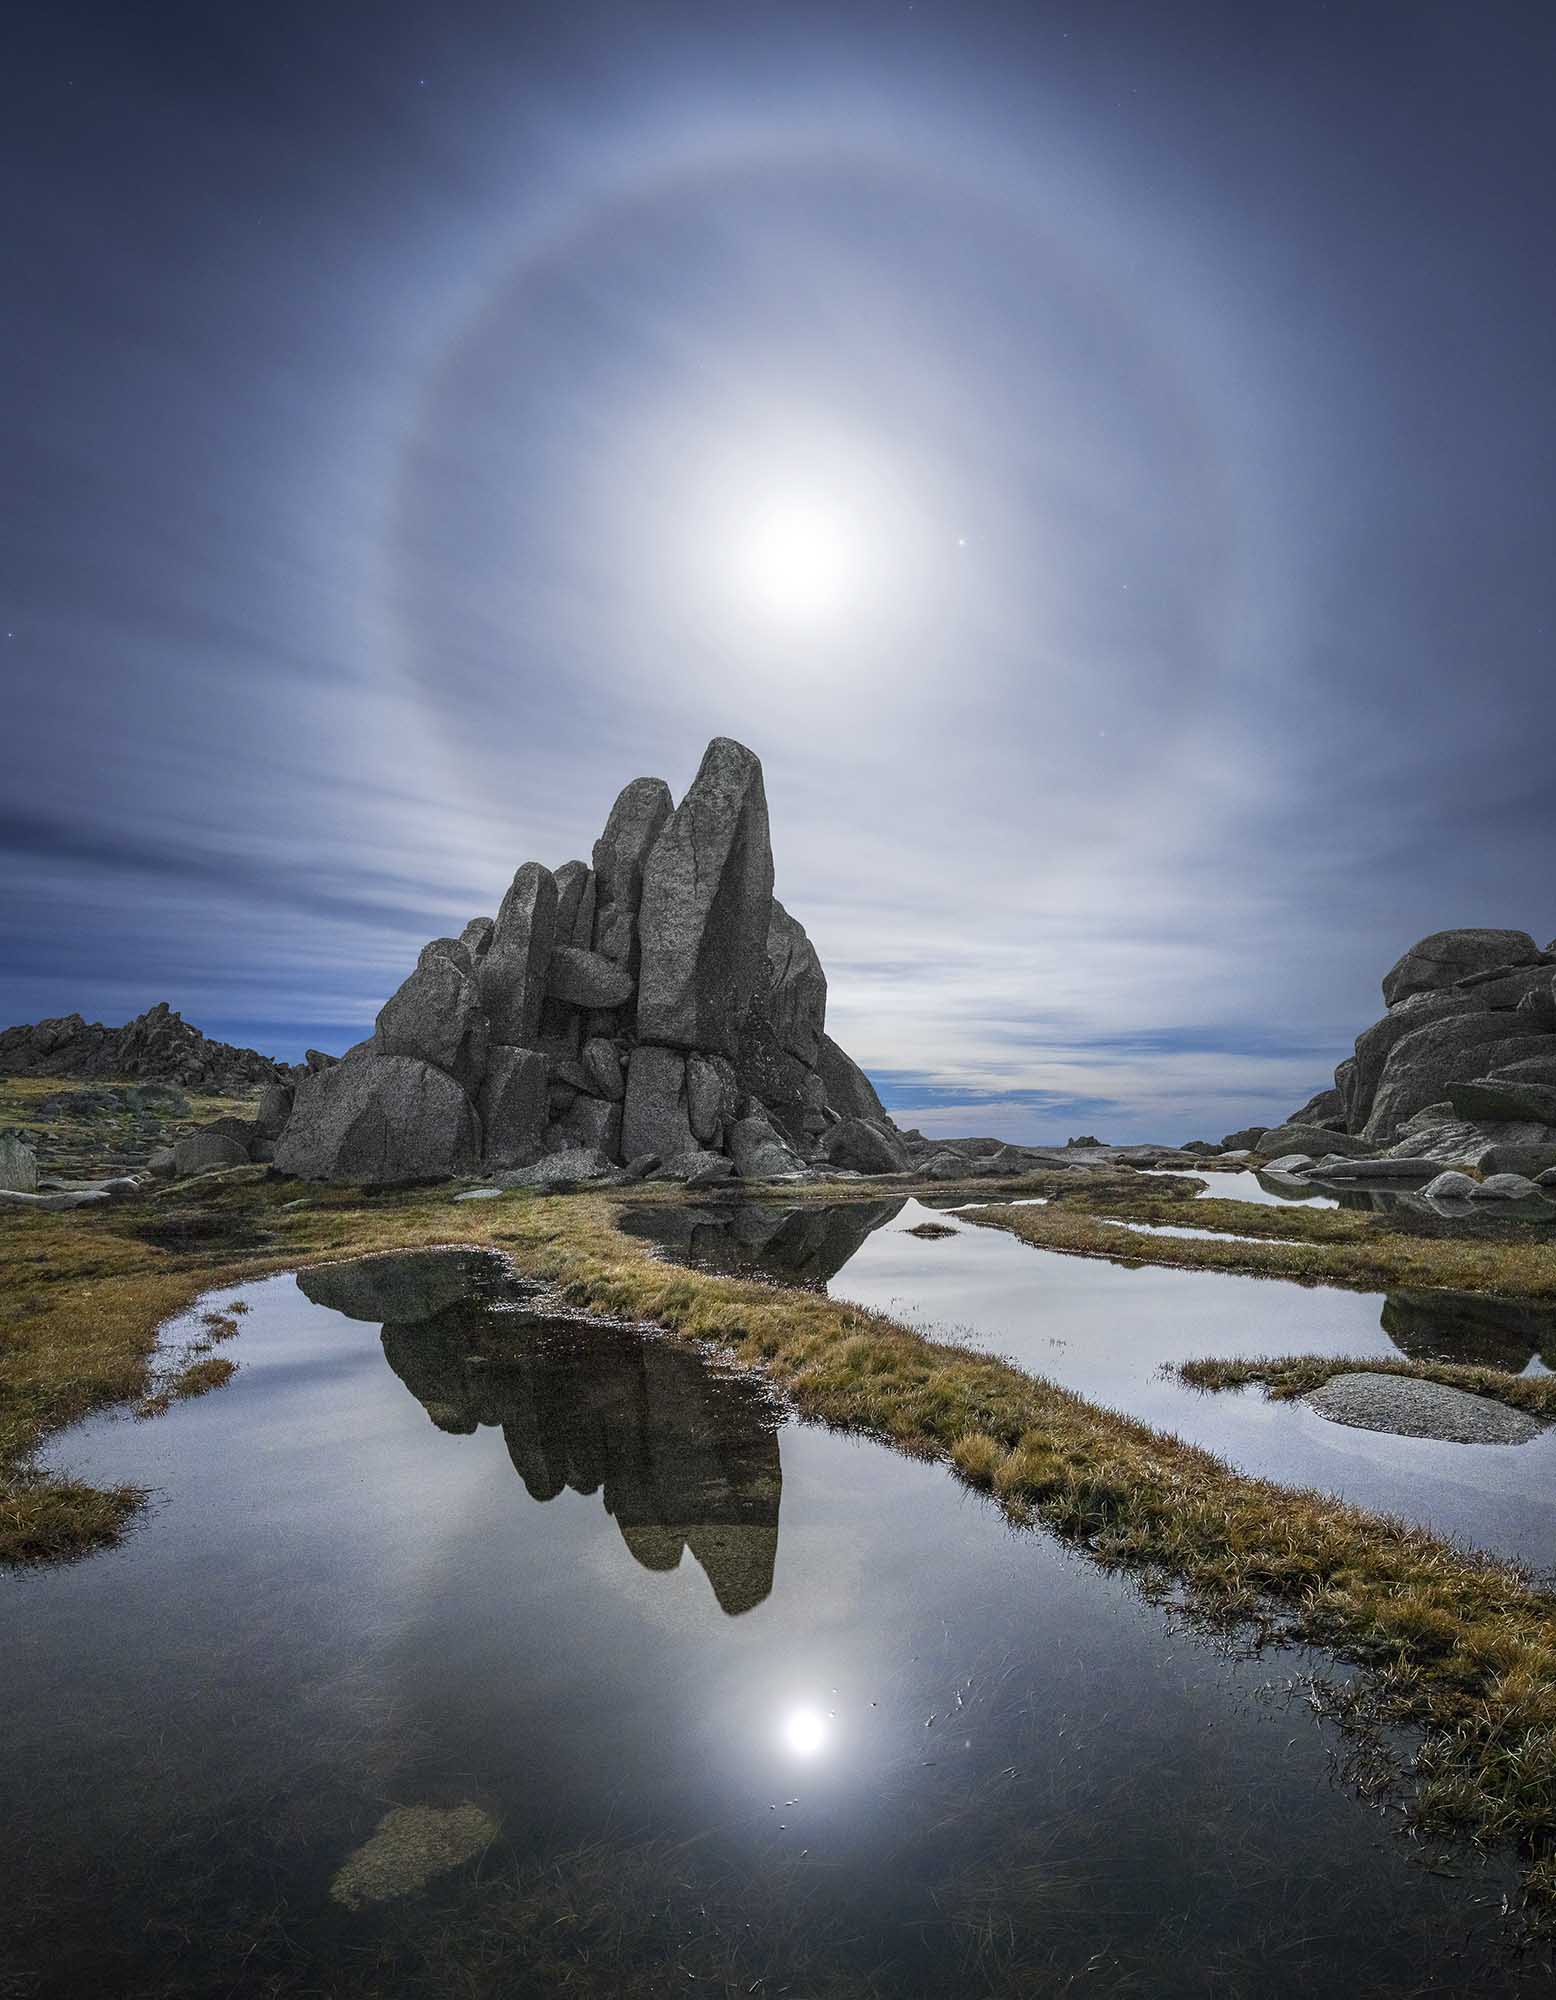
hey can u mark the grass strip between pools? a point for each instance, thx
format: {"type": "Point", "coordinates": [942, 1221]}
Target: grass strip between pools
{"type": "Point", "coordinates": [1285, 1376]}
{"type": "Point", "coordinates": [1359, 1252]}
{"type": "Point", "coordinates": [1461, 1647]}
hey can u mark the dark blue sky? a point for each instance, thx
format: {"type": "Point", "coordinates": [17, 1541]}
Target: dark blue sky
{"type": "Point", "coordinates": [1102, 457]}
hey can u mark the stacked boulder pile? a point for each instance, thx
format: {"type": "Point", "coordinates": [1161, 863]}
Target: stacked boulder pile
{"type": "Point", "coordinates": [653, 1010]}
{"type": "Point", "coordinates": [1460, 1071]}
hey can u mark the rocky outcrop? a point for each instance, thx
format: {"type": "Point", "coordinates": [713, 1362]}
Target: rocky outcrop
{"type": "Point", "coordinates": [158, 1045]}
{"type": "Point", "coordinates": [1461, 1069]}
{"type": "Point", "coordinates": [658, 1011]}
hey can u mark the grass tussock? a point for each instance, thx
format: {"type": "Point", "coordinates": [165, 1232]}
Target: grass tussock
{"type": "Point", "coordinates": [1363, 1252]}
{"type": "Point", "coordinates": [1286, 1376]}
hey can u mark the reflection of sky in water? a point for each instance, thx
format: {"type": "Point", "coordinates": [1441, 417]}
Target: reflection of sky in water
{"type": "Point", "coordinates": [347, 1594]}
{"type": "Point", "coordinates": [1106, 1330]}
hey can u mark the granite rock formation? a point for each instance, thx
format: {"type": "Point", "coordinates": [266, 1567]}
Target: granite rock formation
{"type": "Point", "coordinates": [157, 1046]}
{"type": "Point", "coordinates": [1460, 1070]}
{"type": "Point", "coordinates": [658, 1011]}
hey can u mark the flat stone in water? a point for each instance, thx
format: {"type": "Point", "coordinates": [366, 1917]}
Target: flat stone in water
{"type": "Point", "coordinates": [1409, 1408]}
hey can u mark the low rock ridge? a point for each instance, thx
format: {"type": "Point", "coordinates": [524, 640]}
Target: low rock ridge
{"type": "Point", "coordinates": [654, 1009]}
{"type": "Point", "coordinates": [1460, 1070]}
{"type": "Point", "coordinates": [158, 1046]}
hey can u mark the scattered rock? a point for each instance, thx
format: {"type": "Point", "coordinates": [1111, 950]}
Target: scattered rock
{"type": "Point", "coordinates": [1504, 1187]}
{"type": "Point", "coordinates": [562, 1169]}
{"type": "Point", "coordinates": [18, 1165]}
{"type": "Point", "coordinates": [208, 1146]}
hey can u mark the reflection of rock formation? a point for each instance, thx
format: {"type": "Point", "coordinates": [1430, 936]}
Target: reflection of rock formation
{"type": "Point", "coordinates": [798, 1246]}
{"type": "Point", "coordinates": [405, 1285]}
{"type": "Point", "coordinates": [682, 1458]}
{"type": "Point", "coordinates": [1469, 1328]}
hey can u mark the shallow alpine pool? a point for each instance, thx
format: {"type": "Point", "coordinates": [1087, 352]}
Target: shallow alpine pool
{"type": "Point", "coordinates": [732, 1704]}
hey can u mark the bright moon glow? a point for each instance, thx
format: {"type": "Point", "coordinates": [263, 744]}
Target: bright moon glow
{"type": "Point", "coordinates": [800, 558]}
{"type": "Point", "coordinates": [805, 1732]}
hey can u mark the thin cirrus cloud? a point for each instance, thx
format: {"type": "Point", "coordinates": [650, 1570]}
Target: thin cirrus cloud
{"type": "Point", "coordinates": [1045, 479]}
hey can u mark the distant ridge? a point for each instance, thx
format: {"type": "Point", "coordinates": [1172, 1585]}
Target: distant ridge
{"type": "Point", "coordinates": [159, 1045]}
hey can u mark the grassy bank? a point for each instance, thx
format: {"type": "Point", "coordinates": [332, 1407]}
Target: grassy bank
{"type": "Point", "coordinates": [1364, 1252]}
{"type": "Point", "coordinates": [1286, 1376]}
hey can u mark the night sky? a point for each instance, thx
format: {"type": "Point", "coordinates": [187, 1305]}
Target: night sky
{"type": "Point", "coordinates": [1102, 457]}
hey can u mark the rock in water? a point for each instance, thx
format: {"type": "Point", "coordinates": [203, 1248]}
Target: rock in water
{"type": "Point", "coordinates": [635, 823]}
{"type": "Point", "coordinates": [707, 904]}
{"type": "Point", "coordinates": [380, 1121]}
{"type": "Point", "coordinates": [518, 960]}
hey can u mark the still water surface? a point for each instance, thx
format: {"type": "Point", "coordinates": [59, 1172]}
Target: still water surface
{"type": "Point", "coordinates": [432, 1546]}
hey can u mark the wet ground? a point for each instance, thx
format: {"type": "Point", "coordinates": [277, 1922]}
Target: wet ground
{"type": "Point", "coordinates": [436, 1555]}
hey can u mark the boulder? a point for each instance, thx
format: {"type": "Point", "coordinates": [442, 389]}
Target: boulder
{"type": "Point", "coordinates": [1504, 1187]}
{"type": "Point", "coordinates": [1314, 1140]}
{"type": "Point", "coordinates": [765, 1071]}
{"type": "Point", "coordinates": [163, 1163]}
{"type": "Point", "coordinates": [698, 1168]}
{"type": "Point", "coordinates": [1248, 1139]}
{"type": "Point", "coordinates": [655, 1117]}
{"type": "Point", "coordinates": [1450, 1187]}
{"type": "Point", "coordinates": [403, 1286]}
{"type": "Point", "coordinates": [1447, 956]}
{"type": "Point", "coordinates": [514, 971]}
{"type": "Point", "coordinates": [206, 1147]}
{"type": "Point", "coordinates": [1533, 1069]}
{"type": "Point", "coordinates": [635, 823]}
{"type": "Point", "coordinates": [795, 1003]}
{"type": "Point", "coordinates": [380, 1120]}
{"type": "Point", "coordinates": [869, 1149]}
{"type": "Point", "coordinates": [849, 1091]}
{"type": "Point", "coordinates": [603, 1069]}
{"type": "Point", "coordinates": [1423, 1063]}
{"type": "Point", "coordinates": [18, 1165]}
{"type": "Point", "coordinates": [1374, 1046]}
{"type": "Point", "coordinates": [451, 948]}
{"type": "Point", "coordinates": [707, 899]}
{"type": "Point", "coordinates": [942, 1166]}
{"type": "Point", "coordinates": [275, 1108]}
{"type": "Point", "coordinates": [710, 1096]}
{"type": "Point", "coordinates": [572, 879]}
{"type": "Point", "coordinates": [1489, 1100]}
{"type": "Point", "coordinates": [513, 1107]}
{"type": "Point", "coordinates": [579, 1163]}
{"type": "Point", "coordinates": [594, 1123]}
{"type": "Point", "coordinates": [1510, 1157]}
{"type": "Point", "coordinates": [1289, 1163]}
{"type": "Point", "coordinates": [586, 978]}
{"type": "Point", "coordinates": [760, 1155]}
{"type": "Point", "coordinates": [476, 937]}
{"type": "Point", "coordinates": [437, 1017]}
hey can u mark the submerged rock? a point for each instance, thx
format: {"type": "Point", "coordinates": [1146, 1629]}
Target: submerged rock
{"type": "Point", "coordinates": [411, 1846]}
